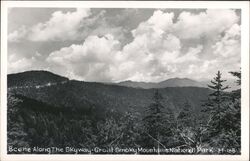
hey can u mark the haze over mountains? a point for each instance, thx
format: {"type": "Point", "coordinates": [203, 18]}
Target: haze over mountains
{"type": "Point", "coordinates": [176, 82]}
{"type": "Point", "coordinates": [43, 77]}
{"type": "Point", "coordinates": [172, 82]}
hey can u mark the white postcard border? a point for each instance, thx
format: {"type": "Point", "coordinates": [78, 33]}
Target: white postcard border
{"type": "Point", "coordinates": [243, 5]}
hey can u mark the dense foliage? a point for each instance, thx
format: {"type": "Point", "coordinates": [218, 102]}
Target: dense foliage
{"type": "Point", "coordinates": [216, 129]}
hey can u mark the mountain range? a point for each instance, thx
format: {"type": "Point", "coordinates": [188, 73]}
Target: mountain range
{"type": "Point", "coordinates": [173, 82]}
{"type": "Point", "coordinates": [61, 93]}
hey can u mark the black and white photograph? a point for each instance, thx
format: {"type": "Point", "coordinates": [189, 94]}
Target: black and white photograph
{"type": "Point", "coordinates": [124, 81]}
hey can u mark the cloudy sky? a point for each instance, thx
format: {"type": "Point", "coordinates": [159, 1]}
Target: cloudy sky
{"type": "Point", "coordinates": [111, 45]}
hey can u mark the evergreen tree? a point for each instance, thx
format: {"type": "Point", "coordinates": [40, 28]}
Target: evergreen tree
{"type": "Point", "coordinates": [215, 104]}
{"type": "Point", "coordinates": [153, 119]}
{"type": "Point", "coordinates": [229, 135]}
{"type": "Point", "coordinates": [157, 122]}
{"type": "Point", "coordinates": [224, 115]}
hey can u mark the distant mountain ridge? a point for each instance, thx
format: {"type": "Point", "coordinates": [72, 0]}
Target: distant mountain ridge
{"type": "Point", "coordinates": [36, 77]}
{"type": "Point", "coordinates": [172, 82]}
{"type": "Point", "coordinates": [43, 78]}
{"type": "Point", "coordinates": [99, 97]}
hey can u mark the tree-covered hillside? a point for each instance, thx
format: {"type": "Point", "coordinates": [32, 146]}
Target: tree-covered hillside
{"type": "Point", "coordinates": [190, 120]}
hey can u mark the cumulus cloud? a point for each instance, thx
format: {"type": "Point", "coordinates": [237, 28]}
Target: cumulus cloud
{"type": "Point", "coordinates": [155, 52]}
{"type": "Point", "coordinates": [146, 57]}
{"type": "Point", "coordinates": [102, 59]}
{"type": "Point", "coordinates": [153, 49]}
{"type": "Point", "coordinates": [17, 64]}
{"type": "Point", "coordinates": [90, 61]}
{"type": "Point", "coordinates": [159, 22]}
{"type": "Point", "coordinates": [209, 23]}
{"type": "Point", "coordinates": [62, 26]}
{"type": "Point", "coordinates": [69, 26]}
{"type": "Point", "coordinates": [229, 44]}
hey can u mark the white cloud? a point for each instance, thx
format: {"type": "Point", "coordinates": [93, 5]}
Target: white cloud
{"type": "Point", "coordinates": [210, 23]}
{"type": "Point", "coordinates": [155, 52]}
{"type": "Point", "coordinates": [61, 26]}
{"type": "Point", "coordinates": [152, 51]}
{"type": "Point", "coordinates": [191, 55]}
{"type": "Point", "coordinates": [69, 26]}
{"type": "Point", "coordinates": [147, 58]}
{"type": "Point", "coordinates": [229, 44]}
{"type": "Point", "coordinates": [17, 64]}
{"type": "Point", "coordinates": [90, 61]}
{"type": "Point", "coordinates": [159, 22]}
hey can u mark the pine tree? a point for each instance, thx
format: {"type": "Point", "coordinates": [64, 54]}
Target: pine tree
{"type": "Point", "coordinates": [215, 102]}
{"type": "Point", "coordinates": [157, 122]}
{"type": "Point", "coordinates": [229, 135]}
{"type": "Point", "coordinates": [223, 126]}
{"type": "Point", "coordinates": [154, 113]}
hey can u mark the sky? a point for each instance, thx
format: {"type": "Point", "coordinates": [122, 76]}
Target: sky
{"type": "Point", "coordinates": [118, 44]}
